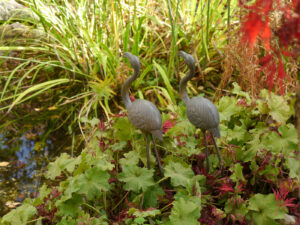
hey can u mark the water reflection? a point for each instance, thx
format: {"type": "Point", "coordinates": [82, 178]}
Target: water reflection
{"type": "Point", "coordinates": [27, 158]}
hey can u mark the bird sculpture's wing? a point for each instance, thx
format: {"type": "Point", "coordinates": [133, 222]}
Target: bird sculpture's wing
{"type": "Point", "coordinates": [203, 114]}
{"type": "Point", "coordinates": [145, 116]}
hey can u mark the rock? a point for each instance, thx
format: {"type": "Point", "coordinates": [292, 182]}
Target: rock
{"type": "Point", "coordinates": [10, 9]}
{"type": "Point", "coordinates": [19, 30]}
{"type": "Point", "coordinates": [288, 220]}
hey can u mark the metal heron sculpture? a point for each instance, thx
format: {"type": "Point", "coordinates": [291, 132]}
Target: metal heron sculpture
{"type": "Point", "coordinates": [141, 113]}
{"type": "Point", "coordinates": [201, 112]}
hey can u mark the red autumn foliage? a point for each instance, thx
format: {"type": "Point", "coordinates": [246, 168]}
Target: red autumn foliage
{"type": "Point", "coordinates": [257, 24]}
{"type": "Point", "coordinates": [281, 198]}
{"type": "Point", "coordinates": [168, 124]}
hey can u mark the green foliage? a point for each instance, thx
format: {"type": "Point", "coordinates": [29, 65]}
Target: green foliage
{"type": "Point", "coordinates": [136, 178]}
{"type": "Point", "coordinates": [93, 182]}
{"type": "Point", "coordinates": [276, 106]}
{"type": "Point", "coordinates": [64, 162]}
{"type": "Point", "coordinates": [180, 175]}
{"type": "Point", "coordinates": [109, 183]}
{"type": "Point", "coordinates": [264, 209]}
{"type": "Point", "coordinates": [20, 215]}
{"type": "Point", "coordinates": [186, 211]}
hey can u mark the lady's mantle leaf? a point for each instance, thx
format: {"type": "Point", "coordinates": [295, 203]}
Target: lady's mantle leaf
{"type": "Point", "coordinates": [278, 106]}
{"type": "Point", "coordinates": [93, 182]}
{"type": "Point", "coordinates": [285, 142]}
{"type": "Point", "coordinates": [136, 178]}
{"type": "Point", "coordinates": [69, 205]}
{"type": "Point", "coordinates": [63, 162]}
{"type": "Point", "coordinates": [265, 209]}
{"type": "Point", "coordinates": [237, 173]}
{"type": "Point", "coordinates": [20, 215]}
{"type": "Point", "coordinates": [179, 174]}
{"type": "Point", "coordinates": [186, 211]}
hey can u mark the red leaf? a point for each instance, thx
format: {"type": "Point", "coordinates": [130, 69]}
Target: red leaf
{"type": "Point", "coordinates": [102, 126]}
{"type": "Point", "coordinates": [226, 187]}
{"type": "Point", "coordinates": [270, 78]}
{"type": "Point", "coordinates": [251, 29]}
{"type": "Point", "coordinates": [266, 34]}
{"type": "Point", "coordinates": [266, 59]}
{"type": "Point", "coordinates": [168, 124]}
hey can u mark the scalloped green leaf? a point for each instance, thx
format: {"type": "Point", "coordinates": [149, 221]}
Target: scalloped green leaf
{"type": "Point", "coordinates": [20, 215]}
{"type": "Point", "coordinates": [136, 178]}
{"type": "Point", "coordinates": [180, 175]}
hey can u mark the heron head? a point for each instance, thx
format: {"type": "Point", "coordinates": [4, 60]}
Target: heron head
{"type": "Point", "coordinates": [188, 59]}
{"type": "Point", "coordinates": [134, 60]}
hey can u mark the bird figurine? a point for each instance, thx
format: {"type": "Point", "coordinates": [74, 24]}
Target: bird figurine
{"type": "Point", "coordinates": [143, 114]}
{"type": "Point", "coordinates": [201, 112]}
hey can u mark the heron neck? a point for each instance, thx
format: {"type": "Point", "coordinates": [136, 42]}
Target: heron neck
{"type": "Point", "coordinates": [126, 87]}
{"type": "Point", "coordinates": [182, 86]}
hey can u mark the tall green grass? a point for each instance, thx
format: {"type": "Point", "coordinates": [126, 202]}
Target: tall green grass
{"type": "Point", "coordinates": [76, 66]}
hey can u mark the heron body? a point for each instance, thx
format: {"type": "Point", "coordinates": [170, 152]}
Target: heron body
{"type": "Point", "coordinates": [143, 114]}
{"type": "Point", "coordinates": [201, 112]}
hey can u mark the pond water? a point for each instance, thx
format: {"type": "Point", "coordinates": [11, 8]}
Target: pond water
{"type": "Point", "coordinates": [23, 160]}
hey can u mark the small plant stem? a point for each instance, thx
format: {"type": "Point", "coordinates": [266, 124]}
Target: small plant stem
{"type": "Point", "coordinates": [120, 201]}
{"type": "Point", "coordinates": [31, 221]}
{"type": "Point", "coordinates": [93, 208]}
{"type": "Point", "coordinates": [161, 180]}
{"type": "Point", "coordinates": [167, 206]}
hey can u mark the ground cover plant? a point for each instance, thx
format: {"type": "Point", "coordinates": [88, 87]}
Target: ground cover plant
{"type": "Point", "coordinates": [108, 182]}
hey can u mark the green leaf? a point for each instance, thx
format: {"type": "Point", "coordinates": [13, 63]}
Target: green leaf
{"type": "Point", "coordinates": [20, 215]}
{"type": "Point", "coordinates": [228, 107]}
{"type": "Point", "coordinates": [238, 133]}
{"type": "Point", "coordinates": [180, 175]}
{"type": "Point", "coordinates": [186, 211]}
{"type": "Point", "coordinates": [93, 182]}
{"type": "Point", "coordinates": [67, 220]}
{"type": "Point", "coordinates": [103, 163]}
{"type": "Point", "coordinates": [118, 146]}
{"type": "Point", "coordinates": [163, 73]}
{"type": "Point", "coordinates": [136, 178]}
{"type": "Point", "coordinates": [147, 213]}
{"type": "Point", "coordinates": [44, 191]}
{"type": "Point", "coordinates": [237, 209]}
{"type": "Point", "coordinates": [270, 171]}
{"type": "Point", "coordinates": [123, 129]}
{"type": "Point", "coordinates": [278, 106]}
{"type": "Point", "coordinates": [255, 145]}
{"type": "Point", "coordinates": [286, 142]}
{"type": "Point", "coordinates": [265, 209]}
{"type": "Point", "coordinates": [131, 158]}
{"type": "Point", "coordinates": [238, 91]}
{"type": "Point", "coordinates": [294, 167]}
{"type": "Point", "coordinates": [69, 205]}
{"type": "Point", "coordinates": [63, 162]}
{"type": "Point", "coordinates": [150, 196]}
{"type": "Point", "coordinates": [237, 173]}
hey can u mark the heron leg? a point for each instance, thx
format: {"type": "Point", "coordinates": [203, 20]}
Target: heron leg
{"type": "Point", "coordinates": [206, 152]}
{"type": "Point", "coordinates": [157, 158]}
{"type": "Point", "coordinates": [218, 152]}
{"type": "Point", "coordinates": [148, 151]}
